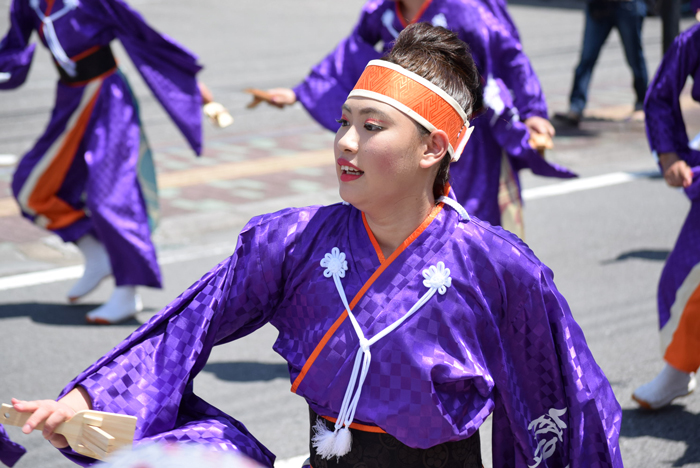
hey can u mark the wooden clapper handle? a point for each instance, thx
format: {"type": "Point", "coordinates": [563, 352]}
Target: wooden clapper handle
{"type": "Point", "coordinates": [91, 433]}
{"type": "Point", "coordinates": [258, 96]}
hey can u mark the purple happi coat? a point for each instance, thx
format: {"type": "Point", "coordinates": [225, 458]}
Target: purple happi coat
{"type": "Point", "coordinates": [497, 338]}
{"type": "Point", "coordinates": [91, 171]}
{"type": "Point", "coordinates": [498, 56]}
{"type": "Point", "coordinates": [499, 9]}
{"type": "Point", "coordinates": [667, 134]}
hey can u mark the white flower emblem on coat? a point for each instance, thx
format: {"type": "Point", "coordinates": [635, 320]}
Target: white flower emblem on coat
{"type": "Point", "coordinates": [334, 263]}
{"type": "Point", "coordinates": [437, 277]}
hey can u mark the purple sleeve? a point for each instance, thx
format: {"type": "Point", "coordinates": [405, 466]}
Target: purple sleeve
{"type": "Point", "coordinates": [10, 451]}
{"type": "Point", "coordinates": [15, 51]}
{"type": "Point", "coordinates": [325, 89]}
{"type": "Point", "coordinates": [150, 375]}
{"type": "Point", "coordinates": [554, 406]}
{"type": "Point", "coordinates": [168, 68]}
{"type": "Point", "coordinates": [502, 56]}
{"type": "Point", "coordinates": [513, 135]}
{"type": "Point", "coordinates": [664, 120]}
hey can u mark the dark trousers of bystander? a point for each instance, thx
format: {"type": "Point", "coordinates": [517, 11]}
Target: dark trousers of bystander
{"type": "Point", "coordinates": [601, 17]}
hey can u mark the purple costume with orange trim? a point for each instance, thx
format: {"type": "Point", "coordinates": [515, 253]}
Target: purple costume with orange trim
{"type": "Point", "coordinates": [679, 286]}
{"type": "Point", "coordinates": [498, 56]}
{"type": "Point", "coordinates": [92, 169]}
{"type": "Point", "coordinates": [497, 338]}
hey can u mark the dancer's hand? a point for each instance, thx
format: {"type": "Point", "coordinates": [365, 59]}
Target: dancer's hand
{"type": "Point", "coordinates": [540, 125]}
{"type": "Point", "coordinates": [281, 97]}
{"type": "Point", "coordinates": [53, 413]}
{"type": "Point", "coordinates": [677, 173]}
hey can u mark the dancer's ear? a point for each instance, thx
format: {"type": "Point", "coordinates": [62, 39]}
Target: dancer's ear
{"type": "Point", "coordinates": [436, 145]}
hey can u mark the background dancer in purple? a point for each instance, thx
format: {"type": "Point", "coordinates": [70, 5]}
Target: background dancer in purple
{"type": "Point", "coordinates": [499, 56]}
{"type": "Point", "coordinates": [90, 177]}
{"type": "Point", "coordinates": [439, 319]}
{"type": "Point", "coordinates": [679, 287]}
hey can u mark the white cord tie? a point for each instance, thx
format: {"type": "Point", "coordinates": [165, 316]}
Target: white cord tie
{"type": "Point", "coordinates": [339, 442]}
{"type": "Point", "coordinates": [454, 204]}
{"type": "Point", "coordinates": [50, 33]}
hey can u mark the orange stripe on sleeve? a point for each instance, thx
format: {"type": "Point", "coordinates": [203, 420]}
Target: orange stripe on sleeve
{"type": "Point", "coordinates": [317, 351]}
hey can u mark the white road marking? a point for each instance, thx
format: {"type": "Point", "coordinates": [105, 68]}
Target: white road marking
{"type": "Point", "coordinates": [587, 183]}
{"type": "Point", "coordinates": [8, 159]}
{"type": "Point", "coordinates": [74, 272]}
{"type": "Point", "coordinates": [184, 255]}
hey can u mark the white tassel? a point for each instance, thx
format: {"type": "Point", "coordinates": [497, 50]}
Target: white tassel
{"type": "Point", "coordinates": [343, 442]}
{"type": "Point", "coordinates": [329, 443]}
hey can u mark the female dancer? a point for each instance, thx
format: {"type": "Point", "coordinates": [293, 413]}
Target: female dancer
{"type": "Point", "coordinates": [90, 177]}
{"type": "Point", "coordinates": [485, 171]}
{"type": "Point", "coordinates": [404, 322]}
{"type": "Point", "coordinates": [679, 287]}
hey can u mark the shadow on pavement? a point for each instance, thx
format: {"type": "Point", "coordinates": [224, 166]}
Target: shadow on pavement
{"type": "Point", "coordinates": [247, 371]}
{"type": "Point", "coordinates": [560, 4]}
{"type": "Point", "coordinates": [673, 423]}
{"type": "Point", "coordinates": [55, 314]}
{"type": "Point", "coordinates": [653, 255]}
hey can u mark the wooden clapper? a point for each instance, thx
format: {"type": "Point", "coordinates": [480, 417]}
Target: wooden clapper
{"type": "Point", "coordinates": [259, 96]}
{"type": "Point", "coordinates": [91, 433]}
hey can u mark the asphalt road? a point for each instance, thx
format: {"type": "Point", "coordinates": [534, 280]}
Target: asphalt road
{"type": "Point", "coordinates": [606, 245]}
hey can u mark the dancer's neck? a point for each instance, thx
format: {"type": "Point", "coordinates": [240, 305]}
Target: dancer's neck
{"type": "Point", "coordinates": [409, 8]}
{"type": "Point", "coordinates": [392, 225]}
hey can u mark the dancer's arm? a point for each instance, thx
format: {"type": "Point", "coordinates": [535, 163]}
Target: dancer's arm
{"type": "Point", "coordinates": [168, 68]}
{"type": "Point", "coordinates": [513, 135]}
{"type": "Point", "coordinates": [554, 405]}
{"type": "Point", "coordinates": [663, 116]}
{"type": "Point", "coordinates": [15, 51]}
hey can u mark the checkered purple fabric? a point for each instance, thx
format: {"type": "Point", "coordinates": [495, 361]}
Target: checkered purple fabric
{"type": "Point", "coordinates": [500, 340]}
{"type": "Point", "coordinates": [663, 117]}
{"type": "Point", "coordinates": [10, 451]}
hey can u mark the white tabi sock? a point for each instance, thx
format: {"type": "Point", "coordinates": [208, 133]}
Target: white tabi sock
{"type": "Point", "coordinates": [667, 386]}
{"type": "Point", "coordinates": [124, 303]}
{"type": "Point", "coordinates": [97, 267]}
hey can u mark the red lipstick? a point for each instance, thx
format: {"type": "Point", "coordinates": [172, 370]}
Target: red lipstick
{"type": "Point", "coordinates": [348, 171]}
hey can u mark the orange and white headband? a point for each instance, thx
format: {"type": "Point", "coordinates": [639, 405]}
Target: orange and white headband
{"type": "Point", "coordinates": [418, 98]}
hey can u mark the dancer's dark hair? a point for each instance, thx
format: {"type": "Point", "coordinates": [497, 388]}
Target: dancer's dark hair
{"type": "Point", "coordinates": [438, 55]}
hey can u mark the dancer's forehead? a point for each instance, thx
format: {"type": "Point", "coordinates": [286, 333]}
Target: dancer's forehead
{"type": "Point", "coordinates": [363, 106]}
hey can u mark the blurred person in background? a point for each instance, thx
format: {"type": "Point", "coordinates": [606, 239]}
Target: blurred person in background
{"type": "Point", "coordinates": [602, 16]}
{"type": "Point", "coordinates": [679, 161]}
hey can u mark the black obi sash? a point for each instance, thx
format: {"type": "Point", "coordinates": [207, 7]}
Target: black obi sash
{"type": "Point", "coordinates": [370, 449]}
{"type": "Point", "coordinates": [89, 67]}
